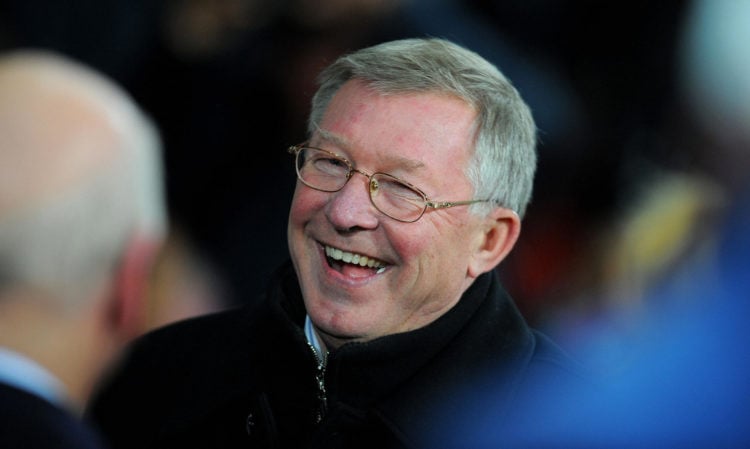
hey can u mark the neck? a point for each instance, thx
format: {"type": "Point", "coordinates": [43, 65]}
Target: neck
{"type": "Point", "coordinates": [67, 347]}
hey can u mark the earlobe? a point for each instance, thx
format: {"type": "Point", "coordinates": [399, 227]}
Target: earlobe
{"type": "Point", "coordinates": [499, 235]}
{"type": "Point", "coordinates": [129, 304]}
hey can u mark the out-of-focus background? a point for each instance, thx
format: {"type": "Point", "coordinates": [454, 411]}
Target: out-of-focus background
{"type": "Point", "coordinates": [643, 111]}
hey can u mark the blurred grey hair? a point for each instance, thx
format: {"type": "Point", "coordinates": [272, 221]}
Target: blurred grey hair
{"type": "Point", "coordinates": [71, 241]}
{"type": "Point", "coordinates": [503, 163]}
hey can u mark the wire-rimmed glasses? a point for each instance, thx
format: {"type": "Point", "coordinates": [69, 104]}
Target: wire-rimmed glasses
{"type": "Point", "coordinates": [329, 172]}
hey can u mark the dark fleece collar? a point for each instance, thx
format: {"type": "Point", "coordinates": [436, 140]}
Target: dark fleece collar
{"type": "Point", "coordinates": [403, 378]}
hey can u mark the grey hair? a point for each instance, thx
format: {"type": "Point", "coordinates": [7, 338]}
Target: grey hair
{"type": "Point", "coordinates": [503, 162]}
{"type": "Point", "coordinates": [70, 242]}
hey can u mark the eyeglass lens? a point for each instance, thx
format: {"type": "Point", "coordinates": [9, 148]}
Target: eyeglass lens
{"type": "Point", "coordinates": [324, 171]}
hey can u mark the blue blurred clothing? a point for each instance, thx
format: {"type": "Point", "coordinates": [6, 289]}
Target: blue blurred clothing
{"type": "Point", "coordinates": [25, 374]}
{"type": "Point", "coordinates": [683, 379]}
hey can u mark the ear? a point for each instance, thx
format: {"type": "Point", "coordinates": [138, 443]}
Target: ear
{"type": "Point", "coordinates": [130, 302]}
{"type": "Point", "coordinates": [499, 233]}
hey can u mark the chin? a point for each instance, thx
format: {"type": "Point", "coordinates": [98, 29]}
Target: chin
{"type": "Point", "coordinates": [338, 324]}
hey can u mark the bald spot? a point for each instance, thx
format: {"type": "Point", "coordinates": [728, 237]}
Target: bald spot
{"type": "Point", "coordinates": [55, 132]}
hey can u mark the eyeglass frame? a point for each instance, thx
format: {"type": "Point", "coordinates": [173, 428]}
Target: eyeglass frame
{"type": "Point", "coordinates": [428, 203]}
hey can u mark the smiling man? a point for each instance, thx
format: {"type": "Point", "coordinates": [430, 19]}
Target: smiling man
{"type": "Point", "coordinates": [410, 191]}
{"type": "Point", "coordinates": [422, 138]}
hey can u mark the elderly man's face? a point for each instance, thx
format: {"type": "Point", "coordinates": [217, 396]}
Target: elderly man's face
{"type": "Point", "coordinates": [424, 139]}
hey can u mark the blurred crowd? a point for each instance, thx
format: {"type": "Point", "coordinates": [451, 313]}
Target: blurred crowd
{"type": "Point", "coordinates": [641, 107]}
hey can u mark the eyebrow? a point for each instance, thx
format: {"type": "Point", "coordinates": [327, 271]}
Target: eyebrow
{"type": "Point", "coordinates": [393, 160]}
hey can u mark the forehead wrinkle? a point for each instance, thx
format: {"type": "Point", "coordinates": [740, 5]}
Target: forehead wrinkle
{"type": "Point", "coordinates": [390, 160]}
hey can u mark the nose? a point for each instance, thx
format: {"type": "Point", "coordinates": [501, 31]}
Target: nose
{"type": "Point", "coordinates": [350, 208]}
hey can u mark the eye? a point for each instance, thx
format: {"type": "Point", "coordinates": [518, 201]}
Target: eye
{"type": "Point", "coordinates": [398, 191]}
{"type": "Point", "coordinates": [330, 164]}
{"type": "Point", "coordinates": [325, 163]}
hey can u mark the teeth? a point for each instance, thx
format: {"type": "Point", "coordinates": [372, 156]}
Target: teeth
{"type": "Point", "coordinates": [356, 259]}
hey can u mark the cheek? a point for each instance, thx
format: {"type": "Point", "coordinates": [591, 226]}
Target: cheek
{"type": "Point", "coordinates": [413, 248]}
{"type": "Point", "coordinates": [304, 203]}
{"type": "Point", "coordinates": [440, 249]}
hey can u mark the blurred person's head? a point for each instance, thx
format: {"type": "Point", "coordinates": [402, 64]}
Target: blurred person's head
{"type": "Point", "coordinates": [378, 255]}
{"type": "Point", "coordinates": [337, 14]}
{"type": "Point", "coordinates": [203, 29]}
{"type": "Point", "coordinates": [81, 215]}
{"type": "Point", "coordinates": [715, 80]}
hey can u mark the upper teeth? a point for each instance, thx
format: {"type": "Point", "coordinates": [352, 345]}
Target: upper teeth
{"type": "Point", "coordinates": [357, 259]}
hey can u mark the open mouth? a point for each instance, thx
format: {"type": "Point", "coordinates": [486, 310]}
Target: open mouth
{"type": "Point", "coordinates": [353, 264]}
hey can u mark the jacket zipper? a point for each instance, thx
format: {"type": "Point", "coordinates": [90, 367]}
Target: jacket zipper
{"type": "Point", "coordinates": [320, 376]}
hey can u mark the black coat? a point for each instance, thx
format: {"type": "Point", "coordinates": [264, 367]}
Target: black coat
{"type": "Point", "coordinates": [30, 422]}
{"type": "Point", "coordinates": [247, 378]}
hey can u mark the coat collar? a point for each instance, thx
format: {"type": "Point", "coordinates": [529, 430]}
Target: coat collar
{"type": "Point", "coordinates": [401, 378]}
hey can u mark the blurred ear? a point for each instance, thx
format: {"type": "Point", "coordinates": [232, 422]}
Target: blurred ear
{"type": "Point", "coordinates": [129, 307]}
{"type": "Point", "coordinates": [498, 236]}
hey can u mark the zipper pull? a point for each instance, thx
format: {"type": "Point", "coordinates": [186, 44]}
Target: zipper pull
{"type": "Point", "coordinates": [320, 377]}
